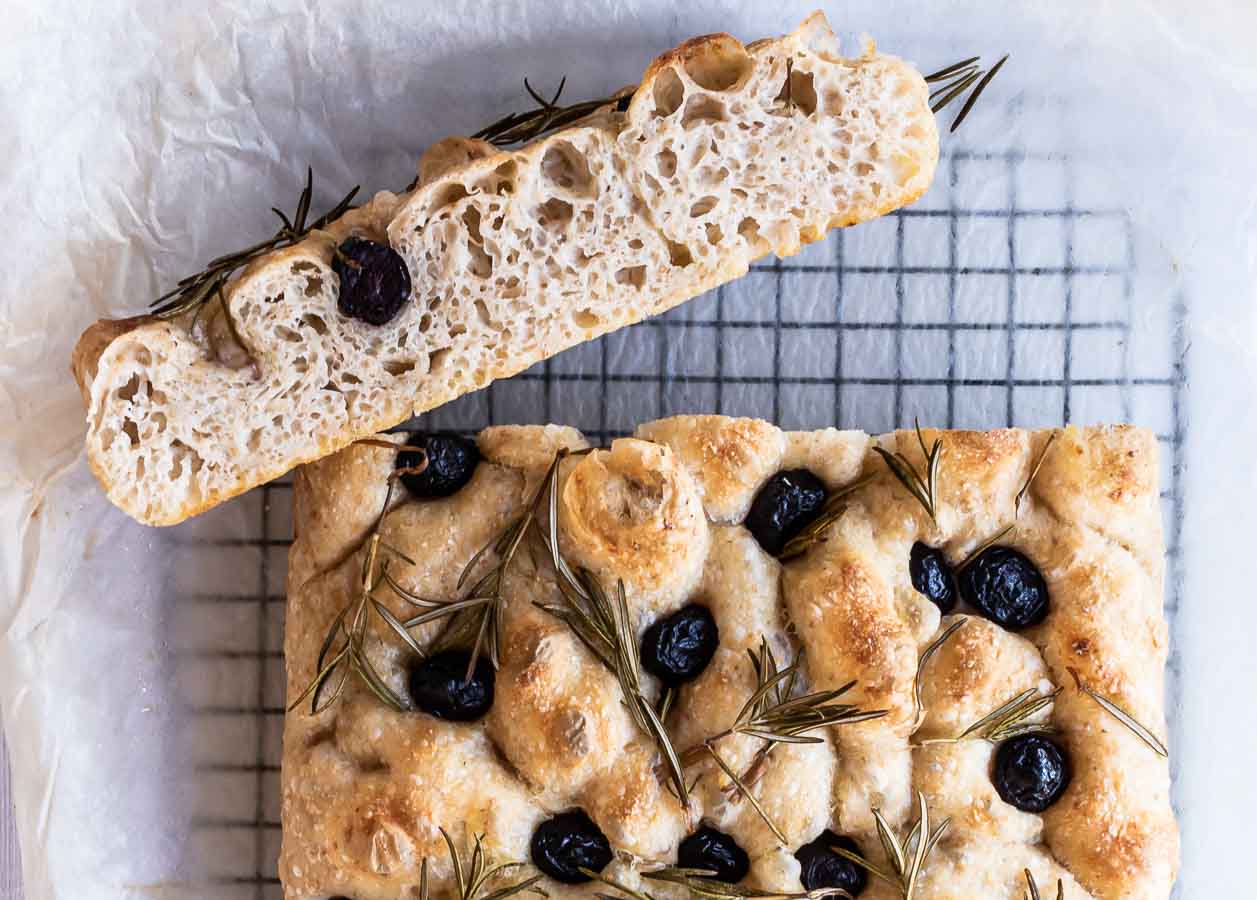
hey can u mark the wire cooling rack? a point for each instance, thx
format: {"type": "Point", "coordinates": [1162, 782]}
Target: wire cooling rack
{"type": "Point", "coordinates": [1020, 313]}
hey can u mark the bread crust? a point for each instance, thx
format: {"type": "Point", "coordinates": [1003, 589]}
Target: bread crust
{"type": "Point", "coordinates": [185, 456]}
{"type": "Point", "coordinates": [558, 735]}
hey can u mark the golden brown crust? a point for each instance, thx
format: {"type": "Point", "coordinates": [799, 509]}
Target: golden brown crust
{"type": "Point", "coordinates": [92, 343]}
{"type": "Point", "coordinates": [363, 785]}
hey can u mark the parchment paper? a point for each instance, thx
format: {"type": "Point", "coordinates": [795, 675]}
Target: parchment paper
{"type": "Point", "coordinates": [139, 669]}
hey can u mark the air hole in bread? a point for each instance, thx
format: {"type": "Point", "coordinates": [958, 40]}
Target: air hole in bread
{"type": "Point", "coordinates": [863, 169]}
{"type": "Point", "coordinates": [511, 288]}
{"type": "Point", "coordinates": [315, 322]}
{"type": "Point", "coordinates": [397, 367]}
{"type": "Point", "coordinates": [703, 108]}
{"type": "Point", "coordinates": [565, 166]}
{"type": "Point", "coordinates": [132, 431]}
{"type": "Point", "coordinates": [481, 263]}
{"type": "Point", "coordinates": [720, 67]}
{"type": "Point", "coordinates": [554, 214]}
{"type": "Point", "coordinates": [703, 206]}
{"type": "Point", "coordinates": [666, 163]}
{"type": "Point", "coordinates": [714, 234]}
{"type": "Point", "coordinates": [636, 244]}
{"type": "Point", "coordinates": [439, 360]}
{"type": "Point", "coordinates": [669, 92]}
{"type": "Point", "coordinates": [255, 439]}
{"type": "Point", "coordinates": [482, 312]}
{"type": "Point", "coordinates": [634, 276]}
{"type": "Point", "coordinates": [447, 196]}
{"type": "Point", "coordinates": [300, 365]}
{"type": "Point", "coordinates": [585, 318]}
{"type": "Point", "coordinates": [131, 388]}
{"type": "Point", "coordinates": [350, 378]}
{"type": "Point", "coordinates": [835, 103]}
{"type": "Point", "coordinates": [471, 218]}
{"type": "Point", "coordinates": [799, 90]}
{"type": "Point", "coordinates": [679, 254]}
{"type": "Point", "coordinates": [748, 228]}
{"type": "Point", "coordinates": [284, 333]}
{"type": "Point", "coordinates": [713, 177]}
{"type": "Point", "coordinates": [314, 284]}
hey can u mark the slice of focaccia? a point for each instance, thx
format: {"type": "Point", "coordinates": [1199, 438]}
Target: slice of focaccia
{"type": "Point", "coordinates": [497, 259]}
{"type": "Point", "coordinates": [957, 663]}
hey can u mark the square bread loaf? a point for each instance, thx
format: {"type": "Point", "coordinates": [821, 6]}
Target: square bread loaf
{"type": "Point", "coordinates": [496, 259]}
{"type": "Point", "coordinates": [736, 549]}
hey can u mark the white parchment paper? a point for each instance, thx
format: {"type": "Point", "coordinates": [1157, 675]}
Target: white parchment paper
{"type": "Point", "coordinates": [139, 670]}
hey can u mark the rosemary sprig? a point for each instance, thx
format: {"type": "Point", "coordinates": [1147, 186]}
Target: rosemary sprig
{"type": "Point", "coordinates": [193, 291]}
{"type": "Point", "coordinates": [955, 80]}
{"type": "Point", "coordinates": [745, 791]}
{"type": "Point", "coordinates": [1033, 889]}
{"type": "Point", "coordinates": [1012, 718]}
{"type": "Point", "coordinates": [1138, 730]}
{"type": "Point", "coordinates": [1017, 501]}
{"type": "Point", "coordinates": [1025, 488]}
{"type": "Point", "coordinates": [925, 657]}
{"type": "Point", "coordinates": [547, 116]}
{"type": "Point", "coordinates": [701, 884]}
{"type": "Point", "coordinates": [606, 628]}
{"type": "Point", "coordinates": [471, 879]}
{"type": "Point", "coordinates": [835, 503]}
{"type": "Point", "coordinates": [351, 656]}
{"type": "Point", "coordinates": [923, 487]}
{"type": "Point", "coordinates": [475, 617]}
{"type": "Point", "coordinates": [989, 542]}
{"type": "Point", "coordinates": [907, 856]}
{"type": "Point", "coordinates": [1008, 720]}
{"type": "Point", "coordinates": [775, 717]}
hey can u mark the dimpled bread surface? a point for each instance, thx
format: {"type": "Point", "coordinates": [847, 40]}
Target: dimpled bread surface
{"type": "Point", "coordinates": [365, 787]}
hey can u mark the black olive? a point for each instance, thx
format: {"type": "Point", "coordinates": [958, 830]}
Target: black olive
{"type": "Point", "coordinates": [563, 845]}
{"type": "Point", "coordinates": [1031, 772]}
{"type": "Point", "coordinates": [783, 507]}
{"type": "Point", "coordinates": [716, 852]}
{"type": "Point", "coordinates": [439, 686]}
{"type": "Point", "coordinates": [823, 868]}
{"type": "Point", "coordinates": [677, 649]}
{"type": "Point", "coordinates": [932, 576]}
{"type": "Point", "coordinates": [374, 280]}
{"type": "Point", "coordinates": [451, 463]}
{"type": "Point", "coordinates": [1005, 587]}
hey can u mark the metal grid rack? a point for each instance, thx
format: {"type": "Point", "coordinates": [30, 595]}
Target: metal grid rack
{"type": "Point", "coordinates": [941, 312]}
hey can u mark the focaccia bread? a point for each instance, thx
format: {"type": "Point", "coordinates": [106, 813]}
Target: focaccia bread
{"type": "Point", "coordinates": [1042, 566]}
{"type": "Point", "coordinates": [495, 260]}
